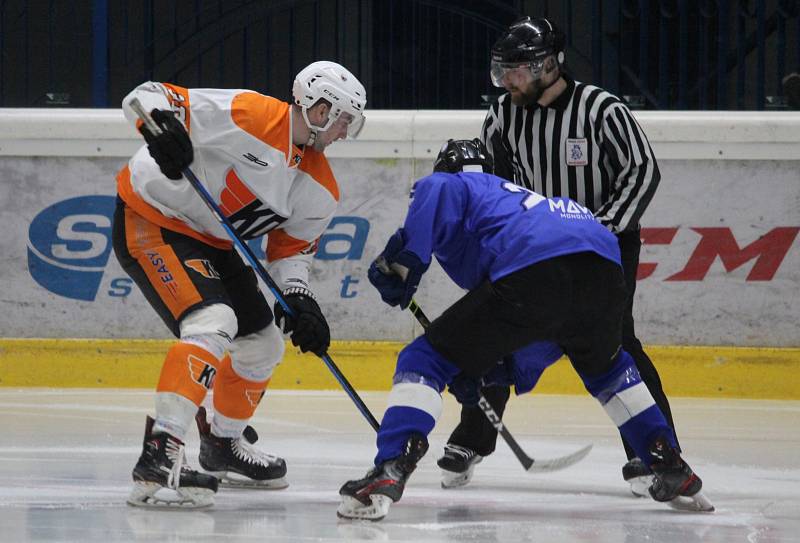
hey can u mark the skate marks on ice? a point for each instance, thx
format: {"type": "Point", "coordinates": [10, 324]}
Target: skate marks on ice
{"type": "Point", "coordinates": [558, 517]}
{"type": "Point", "coordinates": [67, 478]}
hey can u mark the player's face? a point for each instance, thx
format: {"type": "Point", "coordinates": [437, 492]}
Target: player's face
{"type": "Point", "coordinates": [337, 131]}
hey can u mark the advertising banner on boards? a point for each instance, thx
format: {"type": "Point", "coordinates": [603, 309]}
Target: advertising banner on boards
{"type": "Point", "coordinates": [720, 261]}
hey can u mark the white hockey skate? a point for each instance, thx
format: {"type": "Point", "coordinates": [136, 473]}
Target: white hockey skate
{"type": "Point", "coordinates": [457, 464]}
{"type": "Point", "coordinates": [638, 476]}
{"type": "Point", "coordinates": [161, 477]}
{"type": "Point", "coordinates": [236, 462]}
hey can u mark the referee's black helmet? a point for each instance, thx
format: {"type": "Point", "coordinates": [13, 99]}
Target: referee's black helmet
{"type": "Point", "coordinates": [463, 156]}
{"type": "Point", "coordinates": [529, 40]}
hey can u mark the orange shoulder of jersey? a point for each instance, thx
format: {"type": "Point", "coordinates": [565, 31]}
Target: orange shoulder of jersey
{"type": "Point", "coordinates": [267, 119]}
{"type": "Point", "coordinates": [316, 166]}
{"type": "Point", "coordinates": [262, 117]}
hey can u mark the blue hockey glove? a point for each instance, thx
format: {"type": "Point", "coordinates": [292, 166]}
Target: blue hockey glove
{"type": "Point", "coordinates": [385, 272]}
{"type": "Point", "coordinates": [466, 389]}
{"type": "Point", "coordinates": [501, 374]}
{"type": "Point", "coordinates": [394, 246]}
{"type": "Point", "coordinates": [391, 287]}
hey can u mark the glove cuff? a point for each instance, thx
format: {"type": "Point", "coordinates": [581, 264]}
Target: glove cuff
{"type": "Point", "coordinates": [299, 291]}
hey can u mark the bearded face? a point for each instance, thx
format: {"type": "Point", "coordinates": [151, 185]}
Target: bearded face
{"type": "Point", "coordinates": [527, 86]}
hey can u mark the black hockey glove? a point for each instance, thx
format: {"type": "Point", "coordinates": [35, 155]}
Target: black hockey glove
{"type": "Point", "coordinates": [308, 327]}
{"type": "Point", "coordinates": [172, 149]}
{"type": "Point", "coordinates": [466, 389]}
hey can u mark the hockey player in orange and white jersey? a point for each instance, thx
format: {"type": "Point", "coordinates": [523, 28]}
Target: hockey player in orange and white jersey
{"type": "Point", "coordinates": [262, 160]}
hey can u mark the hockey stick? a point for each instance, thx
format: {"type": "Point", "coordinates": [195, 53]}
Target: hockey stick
{"type": "Point", "coordinates": [530, 464]}
{"type": "Point", "coordinates": [136, 106]}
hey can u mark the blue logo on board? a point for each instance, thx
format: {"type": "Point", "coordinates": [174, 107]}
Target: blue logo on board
{"type": "Point", "coordinates": [69, 244]}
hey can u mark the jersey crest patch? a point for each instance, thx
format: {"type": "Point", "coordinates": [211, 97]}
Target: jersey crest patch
{"type": "Point", "coordinates": [202, 372]}
{"type": "Point", "coordinates": [576, 152]}
{"type": "Point", "coordinates": [250, 217]}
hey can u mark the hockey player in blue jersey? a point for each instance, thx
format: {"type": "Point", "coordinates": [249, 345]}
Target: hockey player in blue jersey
{"type": "Point", "coordinates": [496, 239]}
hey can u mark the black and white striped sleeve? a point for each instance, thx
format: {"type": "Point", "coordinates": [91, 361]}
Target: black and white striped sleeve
{"type": "Point", "coordinates": [491, 125]}
{"type": "Point", "coordinates": [492, 137]}
{"type": "Point", "coordinates": [636, 173]}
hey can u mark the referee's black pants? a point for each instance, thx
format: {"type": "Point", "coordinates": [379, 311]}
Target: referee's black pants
{"type": "Point", "coordinates": [477, 433]}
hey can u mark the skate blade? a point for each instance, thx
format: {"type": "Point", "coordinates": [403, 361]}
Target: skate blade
{"type": "Point", "coordinates": [454, 479]}
{"type": "Point", "coordinates": [351, 508]}
{"type": "Point", "coordinates": [234, 480]}
{"type": "Point", "coordinates": [696, 504]}
{"type": "Point", "coordinates": [154, 496]}
{"type": "Point", "coordinates": [639, 485]}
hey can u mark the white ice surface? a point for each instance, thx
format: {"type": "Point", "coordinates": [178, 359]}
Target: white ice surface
{"type": "Point", "coordinates": [66, 458]}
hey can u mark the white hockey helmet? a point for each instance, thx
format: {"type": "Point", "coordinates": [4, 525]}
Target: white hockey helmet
{"type": "Point", "coordinates": [332, 82]}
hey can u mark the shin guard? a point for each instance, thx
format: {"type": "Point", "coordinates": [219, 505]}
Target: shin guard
{"type": "Point", "coordinates": [415, 402]}
{"type": "Point", "coordinates": [235, 400]}
{"type": "Point", "coordinates": [630, 405]}
{"type": "Point", "coordinates": [189, 371]}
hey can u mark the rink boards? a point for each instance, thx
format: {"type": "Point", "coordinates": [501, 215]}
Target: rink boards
{"type": "Point", "coordinates": [708, 372]}
{"type": "Point", "coordinates": [720, 261]}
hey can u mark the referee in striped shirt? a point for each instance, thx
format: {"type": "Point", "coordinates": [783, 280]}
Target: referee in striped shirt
{"type": "Point", "coordinates": [560, 137]}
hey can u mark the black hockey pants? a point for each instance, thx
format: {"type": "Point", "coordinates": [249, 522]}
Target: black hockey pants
{"type": "Point", "coordinates": [476, 432]}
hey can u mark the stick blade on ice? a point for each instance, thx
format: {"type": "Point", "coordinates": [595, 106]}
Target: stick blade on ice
{"type": "Point", "coordinates": [555, 464]}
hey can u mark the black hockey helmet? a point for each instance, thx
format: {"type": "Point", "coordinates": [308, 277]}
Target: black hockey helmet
{"type": "Point", "coordinates": [463, 155]}
{"type": "Point", "coordinates": [527, 41]}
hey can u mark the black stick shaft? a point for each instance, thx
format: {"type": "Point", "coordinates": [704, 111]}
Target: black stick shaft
{"type": "Point", "coordinates": [484, 404]}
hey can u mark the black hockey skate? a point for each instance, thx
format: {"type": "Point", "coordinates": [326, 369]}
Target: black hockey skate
{"type": "Point", "coordinates": [369, 498]}
{"type": "Point", "coordinates": [674, 481]}
{"type": "Point", "coordinates": [639, 476]}
{"type": "Point", "coordinates": [236, 462]}
{"type": "Point", "coordinates": [161, 477]}
{"type": "Point", "coordinates": [458, 464]}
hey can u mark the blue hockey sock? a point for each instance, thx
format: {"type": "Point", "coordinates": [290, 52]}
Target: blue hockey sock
{"type": "Point", "coordinates": [630, 405]}
{"type": "Point", "coordinates": [415, 402]}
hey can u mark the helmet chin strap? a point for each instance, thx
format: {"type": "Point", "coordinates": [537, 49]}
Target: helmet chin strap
{"type": "Point", "coordinates": [312, 137]}
{"type": "Point", "coordinates": [312, 130]}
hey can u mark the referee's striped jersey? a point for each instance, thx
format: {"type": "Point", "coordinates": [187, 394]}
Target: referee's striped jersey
{"type": "Point", "coordinates": [586, 145]}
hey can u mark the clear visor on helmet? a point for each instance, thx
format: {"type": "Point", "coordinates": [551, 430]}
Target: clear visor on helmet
{"type": "Point", "coordinates": [499, 70]}
{"type": "Point", "coordinates": [354, 123]}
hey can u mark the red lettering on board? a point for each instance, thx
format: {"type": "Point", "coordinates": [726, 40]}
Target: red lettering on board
{"type": "Point", "coordinates": [768, 251]}
{"type": "Point", "coordinates": [653, 236]}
